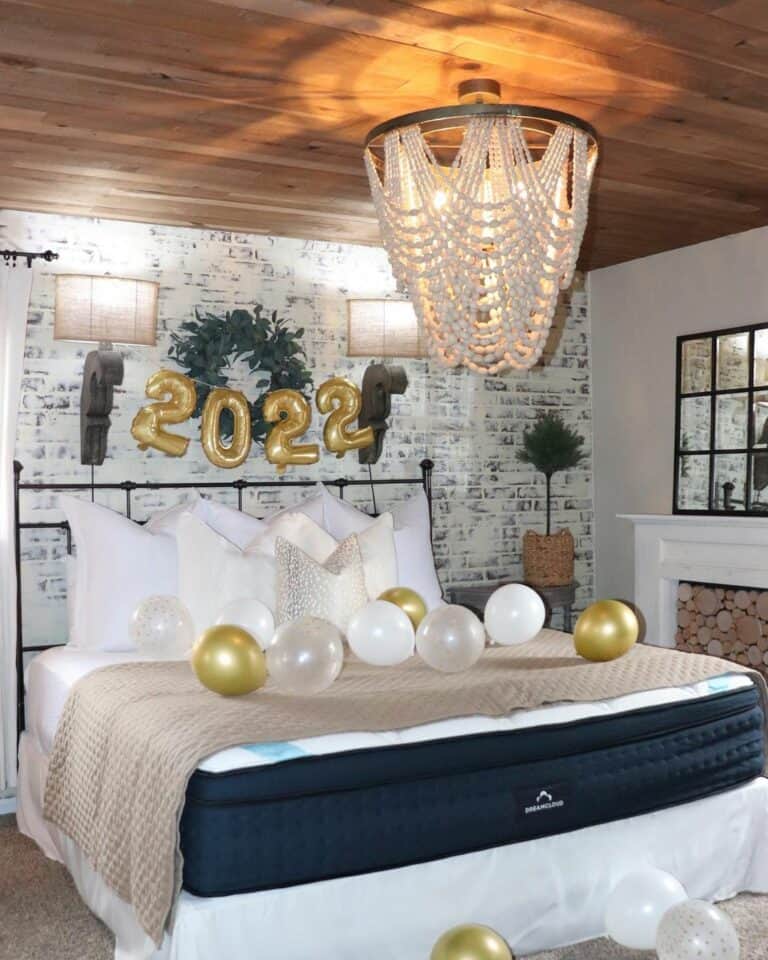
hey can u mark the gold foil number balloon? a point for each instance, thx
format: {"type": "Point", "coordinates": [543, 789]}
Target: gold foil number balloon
{"type": "Point", "coordinates": [229, 661]}
{"type": "Point", "coordinates": [471, 941]}
{"type": "Point", "coordinates": [337, 436]}
{"type": "Point", "coordinates": [409, 602]}
{"type": "Point", "coordinates": [291, 415]}
{"type": "Point", "coordinates": [605, 631]}
{"type": "Point", "coordinates": [147, 427]}
{"type": "Point", "coordinates": [235, 452]}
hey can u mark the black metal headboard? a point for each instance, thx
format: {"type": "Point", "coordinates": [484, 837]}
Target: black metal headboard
{"type": "Point", "coordinates": [130, 487]}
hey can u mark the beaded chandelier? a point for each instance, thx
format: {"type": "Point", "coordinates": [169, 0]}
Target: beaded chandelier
{"type": "Point", "coordinates": [482, 209]}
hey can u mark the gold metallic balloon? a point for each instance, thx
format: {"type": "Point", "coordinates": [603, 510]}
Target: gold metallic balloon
{"type": "Point", "coordinates": [336, 435]}
{"type": "Point", "coordinates": [147, 426]}
{"type": "Point", "coordinates": [605, 631]}
{"type": "Point", "coordinates": [409, 602]}
{"type": "Point", "coordinates": [278, 446]}
{"type": "Point", "coordinates": [229, 661]}
{"type": "Point", "coordinates": [471, 941]}
{"type": "Point", "coordinates": [219, 453]}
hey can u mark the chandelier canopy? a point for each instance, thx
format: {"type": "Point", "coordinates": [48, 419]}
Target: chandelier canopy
{"type": "Point", "coordinates": [482, 209]}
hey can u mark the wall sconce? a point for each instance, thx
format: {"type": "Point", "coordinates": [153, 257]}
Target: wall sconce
{"type": "Point", "coordinates": [380, 382]}
{"type": "Point", "coordinates": [383, 329]}
{"type": "Point", "coordinates": [105, 310]}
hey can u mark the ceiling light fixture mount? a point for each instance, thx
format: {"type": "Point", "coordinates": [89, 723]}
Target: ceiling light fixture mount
{"type": "Point", "coordinates": [482, 208]}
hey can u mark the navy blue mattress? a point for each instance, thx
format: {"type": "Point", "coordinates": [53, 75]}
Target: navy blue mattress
{"type": "Point", "coordinates": [315, 818]}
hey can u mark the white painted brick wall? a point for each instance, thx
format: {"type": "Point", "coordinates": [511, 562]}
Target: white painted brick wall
{"type": "Point", "coordinates": [469, 425]}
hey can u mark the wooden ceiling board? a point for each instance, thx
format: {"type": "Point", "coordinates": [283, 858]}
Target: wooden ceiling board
{"type": "Point", "coordinates": [249, 114]}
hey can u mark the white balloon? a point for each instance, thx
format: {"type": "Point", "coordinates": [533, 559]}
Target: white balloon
{"type": "Point", "coordinates": [514, 614]}
{"type": "Point", "coordinates": [252, 615]}
{"type": "Point", "coordinates": [162, 628]}
{"type": "Point", "coordinates": [636, 905]}
{"type": "Point", "coordinates": [450, 638]}
{"type": "Point", "coordinates": [306, 655]}
{"type": "Point", "coordinates": [697, 930]}
{"type": "Point", "coordinates": [381, 633]}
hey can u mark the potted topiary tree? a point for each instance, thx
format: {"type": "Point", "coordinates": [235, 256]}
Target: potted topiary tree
{"type": "Point", "coordinates": [550, 446]}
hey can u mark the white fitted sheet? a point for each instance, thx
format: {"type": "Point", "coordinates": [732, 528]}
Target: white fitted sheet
{"type": "Point", "coordinates": [52, 674]}
{"type": "Point", "coordinates": [538, 894]}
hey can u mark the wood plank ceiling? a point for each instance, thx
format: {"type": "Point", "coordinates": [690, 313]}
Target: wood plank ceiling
{"type": "Point", "coordinates": [249, 114]}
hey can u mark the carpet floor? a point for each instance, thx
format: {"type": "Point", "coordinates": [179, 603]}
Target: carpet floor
{"type": "Point", "coordinates": [43, 918]}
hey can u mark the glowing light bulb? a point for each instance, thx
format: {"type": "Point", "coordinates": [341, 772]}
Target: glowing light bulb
{"type": "Point", "coordinates": [440, 200]}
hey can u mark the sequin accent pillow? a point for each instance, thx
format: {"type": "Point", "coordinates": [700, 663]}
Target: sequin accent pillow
{"type": "Point", "coordinates": [333, 590]}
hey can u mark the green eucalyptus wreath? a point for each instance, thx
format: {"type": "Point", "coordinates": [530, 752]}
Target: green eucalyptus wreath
{"type": "Point", "coordinates": [208, 345]}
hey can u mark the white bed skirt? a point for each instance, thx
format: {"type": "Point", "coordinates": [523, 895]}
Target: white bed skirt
{"type": "Point", "coordinates": [539, 894]}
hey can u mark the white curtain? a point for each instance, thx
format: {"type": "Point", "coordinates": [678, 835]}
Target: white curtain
{"type": "Point", "coordinates": [15, 285]}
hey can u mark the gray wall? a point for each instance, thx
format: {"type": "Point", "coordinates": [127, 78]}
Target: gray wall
{"type": "Point", "coordinates": [470, 425]}
{"type": "Point", "coordinates": [637, 311]}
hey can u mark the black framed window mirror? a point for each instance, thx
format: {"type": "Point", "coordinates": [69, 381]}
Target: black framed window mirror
{"type": "Point", "coordinates": [721, 430]}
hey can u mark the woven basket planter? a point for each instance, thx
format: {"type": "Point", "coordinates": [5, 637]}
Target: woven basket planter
{"type": "Point", "coordinates": [548, 558]}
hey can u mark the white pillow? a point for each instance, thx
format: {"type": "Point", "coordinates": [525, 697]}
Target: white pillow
{"type": "Point", "coordinates": [299, 529]}
{"type": "Point", "coordinates": [311, 507]}
{"type": "Point", "coordinates": [165, 521]}
{"type": "Point", "coordinates": [117, 564]}
{"type": "Point", "coordinates": [377, 548]}
{"type": "Point", "coordinates": [213, 572]}
{"type": "Point", "coordinates": [413, 542]}
{"type": "Point", "coordinates": [162, 522]}
{"type": "Point", "coordinates": [333, 591]}
{"type": "Point", "coordinates": [237, 526]}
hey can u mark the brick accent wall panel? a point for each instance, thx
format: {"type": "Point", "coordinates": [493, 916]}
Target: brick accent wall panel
{"type": "Point", "coordinates": [471, 426]}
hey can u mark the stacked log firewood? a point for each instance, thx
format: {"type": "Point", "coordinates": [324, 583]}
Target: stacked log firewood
{"type": "Point", "coordinates": [724, 622]}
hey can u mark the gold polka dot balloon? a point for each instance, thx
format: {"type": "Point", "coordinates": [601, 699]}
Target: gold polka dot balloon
{"type": "Point", "coordinates": [696, 930]}
{"type": "Point", "coordinates": [161, 628]}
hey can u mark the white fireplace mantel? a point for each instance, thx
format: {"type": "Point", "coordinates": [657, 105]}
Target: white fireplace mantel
{"type": "Point", "coordinates": [670, 548]}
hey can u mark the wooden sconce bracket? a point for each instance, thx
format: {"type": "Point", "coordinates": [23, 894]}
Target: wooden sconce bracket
{"type": "Point", "coordinates": [380, 382]}
{"type": "Point", "coordinates": [103, 371]}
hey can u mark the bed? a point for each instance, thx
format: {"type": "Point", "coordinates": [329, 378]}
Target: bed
{"type": "Point", "coordinates": [522, 821]}
{"type": "Point", "coordinates": [716, 844]}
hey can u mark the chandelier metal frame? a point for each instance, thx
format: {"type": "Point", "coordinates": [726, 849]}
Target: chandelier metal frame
{"type": "Point", "coordinates": [433, 120]}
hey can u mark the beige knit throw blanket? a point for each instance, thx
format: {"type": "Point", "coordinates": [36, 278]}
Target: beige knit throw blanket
{"type": "Point", "coordinates": [131, 736]}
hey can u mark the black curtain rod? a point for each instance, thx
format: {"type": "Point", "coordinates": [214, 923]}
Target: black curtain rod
{"type": "Point", "coordinates": [11, 256]}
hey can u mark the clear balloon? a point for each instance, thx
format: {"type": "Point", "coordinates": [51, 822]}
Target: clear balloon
{"type": "Point", "coordinates": [381, 633]}
{"type": "Point", "coordinates": [306, 656]}
{"type": "Point", "coordinates": [636, 905]}
{"type": "Point", "coordinates": [252, 615]}
{"type": "Point", "coordinates": [450, 639]}
{"type": "Point", "coordinates": [696, 930]}
{"type": "Point", "coordinates": [162, 628]}
{"type": "Point", "coordinates": [514, 614]}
